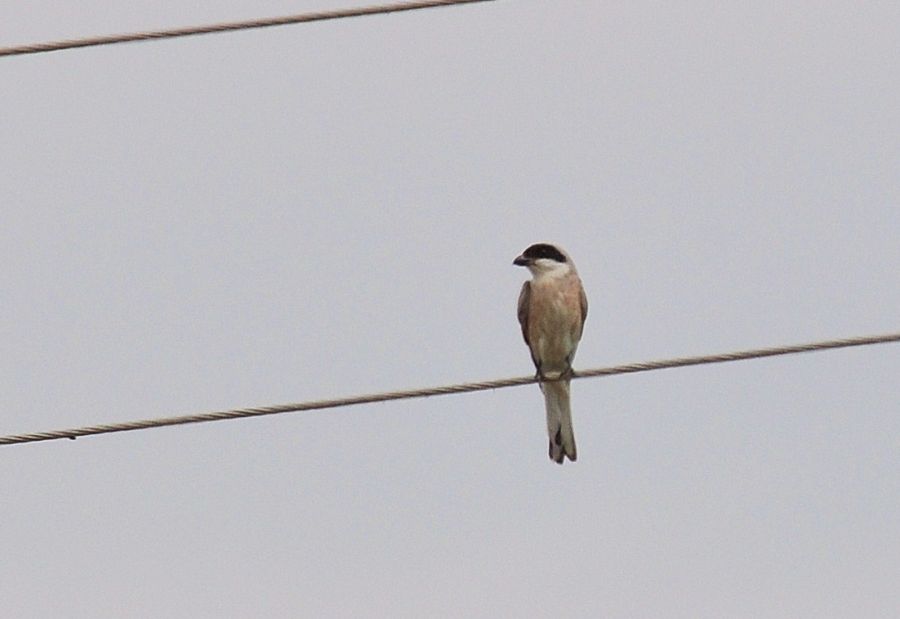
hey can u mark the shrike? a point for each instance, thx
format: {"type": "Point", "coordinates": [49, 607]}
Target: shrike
{"type": "Point", "coordinates": [552, 309]}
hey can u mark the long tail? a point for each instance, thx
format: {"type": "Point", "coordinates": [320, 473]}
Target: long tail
{"type": "Point", "coordinates": [559, 421]}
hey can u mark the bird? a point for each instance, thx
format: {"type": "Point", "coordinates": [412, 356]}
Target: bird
{"type": "Point", "coordinates": [552, 310]}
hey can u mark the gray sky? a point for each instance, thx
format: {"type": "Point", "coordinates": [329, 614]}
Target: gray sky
{"type": "Point", "coordinates": [332, 209]}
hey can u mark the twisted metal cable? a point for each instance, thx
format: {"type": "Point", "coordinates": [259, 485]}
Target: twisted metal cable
{"type": "Point", "coordinates": [433, 391]}
{"type": "Point", "coordinates": [36, 48]}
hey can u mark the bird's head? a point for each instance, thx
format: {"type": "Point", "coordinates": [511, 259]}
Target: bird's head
{"type": "Point", "coordinates": [545, 259]}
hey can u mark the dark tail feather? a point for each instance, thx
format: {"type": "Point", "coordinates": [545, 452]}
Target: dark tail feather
{"type": "Point", "coordinates": [559, 421]}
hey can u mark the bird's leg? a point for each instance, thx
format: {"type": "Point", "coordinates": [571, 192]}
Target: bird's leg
{"type": "Point", "coordinates": [568, 373]}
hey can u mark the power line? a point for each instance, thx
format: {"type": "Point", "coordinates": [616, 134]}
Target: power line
{"type": "Point", "coordinates": [432, 391]}
{"type": "Point", "coordinates": [37, 48]}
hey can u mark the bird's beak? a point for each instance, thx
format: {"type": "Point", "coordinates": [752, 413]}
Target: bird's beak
{"type": "Point", "coordinates": [521, 261]}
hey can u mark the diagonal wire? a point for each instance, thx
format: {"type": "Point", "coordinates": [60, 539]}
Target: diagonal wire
{"type": "Point", "coordinates": [381, 9]}
{"type": "Point", "coordinates": [432, 391]}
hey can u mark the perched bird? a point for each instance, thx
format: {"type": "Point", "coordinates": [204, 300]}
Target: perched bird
{"type": "Point", "coordinates": [552, 309]}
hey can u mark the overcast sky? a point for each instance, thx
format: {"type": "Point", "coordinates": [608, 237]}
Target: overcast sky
{"type": "Point", "coordinates": [332, 209]}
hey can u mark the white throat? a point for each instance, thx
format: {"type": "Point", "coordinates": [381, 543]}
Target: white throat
{"type": "Point", "coordinates": [544, 268]}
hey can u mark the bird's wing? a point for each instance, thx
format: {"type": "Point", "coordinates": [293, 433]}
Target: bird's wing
{"type": "Point", "coordinates": [524, 307]}
{"type": "Point", "coordinates": [584, 306]}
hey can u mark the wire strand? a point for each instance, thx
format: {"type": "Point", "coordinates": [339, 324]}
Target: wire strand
{"type": "Point", "coordinates": [446, 390]}
{"type": "Point", "coordinates": [37, 48]}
